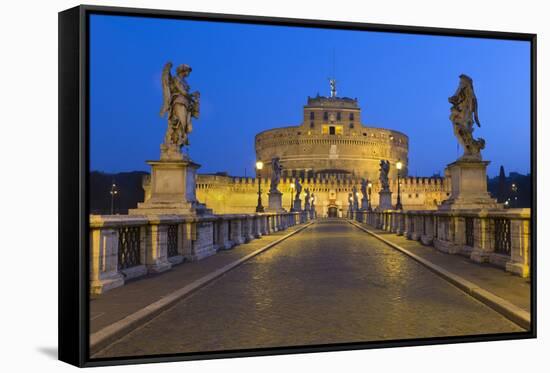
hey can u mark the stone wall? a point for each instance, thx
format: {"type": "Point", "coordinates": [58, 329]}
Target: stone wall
{"type": "Point", "coordinates": [226, 194]}
{"type": "Point", "coordinates": [304, 152]}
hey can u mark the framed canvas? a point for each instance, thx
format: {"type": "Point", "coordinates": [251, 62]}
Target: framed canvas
{"type": "Point", "coordinates": [308, 186]}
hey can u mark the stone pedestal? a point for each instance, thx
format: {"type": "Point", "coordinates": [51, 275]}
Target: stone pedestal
{"type": "Point", "coordinates": [385, 200]}
{"type": "Point", "coordinates": [469, 187]}
{"type": "Point", "coordinates": [171, 189]}
{"type": "Point", "coordinates": [297, 205]}
{"type": "Point", "coordinates": [275, 201]}
{"type": "Point", "coordinates": [364, 204]}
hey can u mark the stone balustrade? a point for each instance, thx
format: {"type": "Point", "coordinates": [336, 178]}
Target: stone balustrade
{"type": "Point", "coordinates": [125, 246]}
{"type": "Point", "coordinates": [500, 237]}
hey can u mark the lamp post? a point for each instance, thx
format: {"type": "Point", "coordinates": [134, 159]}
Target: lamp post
{"type": "Point", "coordinates": [113, 193]}
{"type": "Point", "coordinates": [515, 195]}
{"type": "Point", "coordinates": [291, 194]}
{"type": "Point", "coordinates": [398, 205]}
{"type": "Point", "coordinates": [369, 204]}
{"type": "Point", "coordinates": [259, 166]}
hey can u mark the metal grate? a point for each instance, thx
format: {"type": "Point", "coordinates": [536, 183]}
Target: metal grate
{"type": "Point", "coordinates": [424, 218]}
{"type": "Point", "coordinates": [129, 245]}
{"type": "Point", "coordinates": [172, 240]}
{"type": "Point", "coordinates": [469, 227]}
{"type": "Point", "coordinates": [502, 236]}
{"type": "Point", "coordinates": [436, 224]}
{"type": "Point", "coordinates": [411, 224]}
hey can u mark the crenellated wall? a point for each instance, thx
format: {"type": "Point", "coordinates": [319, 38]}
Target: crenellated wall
{"type": "Point", "coordinates": [227, 194]}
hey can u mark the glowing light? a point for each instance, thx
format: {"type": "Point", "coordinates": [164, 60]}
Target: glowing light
{"type": "Point", "coordinates": [259, 165]}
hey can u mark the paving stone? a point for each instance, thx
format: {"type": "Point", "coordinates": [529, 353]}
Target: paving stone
{"type": "Point", "coordinates": [331, 283]}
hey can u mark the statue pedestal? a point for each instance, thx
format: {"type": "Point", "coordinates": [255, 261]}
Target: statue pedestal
{"type": "Point", "coordinates": [275, 201]}
{"type": "Point", "coordinates": [171, 190]}
{"type": "Point", "coordinates": [385, 200]}
{"type": "Point", "coordinates": [297, 205]}
{"type": "Point", "coordinates": [469, 187]}
{"type": "Point", "coordinates": [364, 204]}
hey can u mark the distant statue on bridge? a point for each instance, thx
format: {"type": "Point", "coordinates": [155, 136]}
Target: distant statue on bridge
{"type": "Point", "coordinates": [463, 115]}
{"type": "Point", "coordinates": [364, 184]}
{"type": "Point", "coordinates": [364, 198]}
{"type": "Point", "coordinates": [384, 172]}
{"type": "Point", "coordinates": [181, 106]}
{"type": "Point", "coordinates": [276, 169]}
{"type": "Point", "coordinates": [355, 198]}
{"type": "Point", "coordinates": [307, 204]}
{"type": "Point", "coordinates": [298, 188]}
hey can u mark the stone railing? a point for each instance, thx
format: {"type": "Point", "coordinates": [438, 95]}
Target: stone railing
{"type": "Point", "coordinates": [126, 247]}
{"type": "Point", "coordinates": [499, 237]}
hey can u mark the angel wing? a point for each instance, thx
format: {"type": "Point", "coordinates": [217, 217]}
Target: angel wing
{"type": "Point", "coordinates": [474, 99]}
{"type": "Point", "coordinates": [166, 94]}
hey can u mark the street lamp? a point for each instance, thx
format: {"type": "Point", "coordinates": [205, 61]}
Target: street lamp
{"type": "Point", "coordinates": [369, 205]}
{"type": "Point", "coordinates": [291, 194]}
{"type": "Point", "coordinates": [398, 205]}
{"type": "Point", "coordinates": [259, 166]}
{"type": "Point", "coordinates": [515, 194]}
{"type": "Point", "coordinates": [113, 193]}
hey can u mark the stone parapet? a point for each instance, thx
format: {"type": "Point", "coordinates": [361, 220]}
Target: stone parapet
{"type": "Point", "coordinates": [501, 237]}
{"type": "Point", "coordinates": [130, 246]}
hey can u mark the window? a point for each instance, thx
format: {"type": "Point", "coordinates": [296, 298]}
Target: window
{"type": "Point", "coordinates": [351, 116]}
{"type": "Point", "coordinates": [351, 125]}
{"type": "Point", "coordinates": [311, 115]}
{"type": "Point", "coordinates": [338, 116]}
{"type": "Point", "coordinates": [311, 125]}
{"type": "Point", "coordinates": [332, 130]}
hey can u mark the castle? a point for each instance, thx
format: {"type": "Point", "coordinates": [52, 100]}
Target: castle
{"type": "Point", "coordinates": [331, 151]}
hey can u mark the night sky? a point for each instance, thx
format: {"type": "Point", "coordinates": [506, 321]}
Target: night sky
{"type": "Point", "coordinates": [254, 78]}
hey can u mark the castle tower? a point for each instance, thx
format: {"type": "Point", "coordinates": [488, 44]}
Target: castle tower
{"type": "Point", "coordinates": [331, 140]}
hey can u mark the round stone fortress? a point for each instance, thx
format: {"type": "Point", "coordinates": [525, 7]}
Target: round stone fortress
{"type": "Point", "coordinates": [332, 141]}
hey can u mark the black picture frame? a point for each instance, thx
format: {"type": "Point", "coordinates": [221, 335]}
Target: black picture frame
{"type": "Point", "coordinates": [73, 182]}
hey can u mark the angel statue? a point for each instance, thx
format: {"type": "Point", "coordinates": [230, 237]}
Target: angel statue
{"type": "Point", "coordinates": [276, 169]}
{"type": "Point", "coordinates": [364, 199]}
{"type": "Point", "coordinates": [180, 105]}
{"type": "Point", "coordinates": [463, 116]}
{"type": "Point", "coordinates": [384, 171]}
{"type": "Point", "coordinates": [355, 198]}
{"type": "Point", "coordinates": [307, 199]}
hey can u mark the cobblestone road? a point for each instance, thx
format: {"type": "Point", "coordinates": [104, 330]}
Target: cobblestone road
{"type": "Point", "coordinates": [331, 283]}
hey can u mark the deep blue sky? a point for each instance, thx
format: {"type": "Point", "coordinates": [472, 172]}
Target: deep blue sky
{"type": "Point", "coordinates": [253, 78]}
